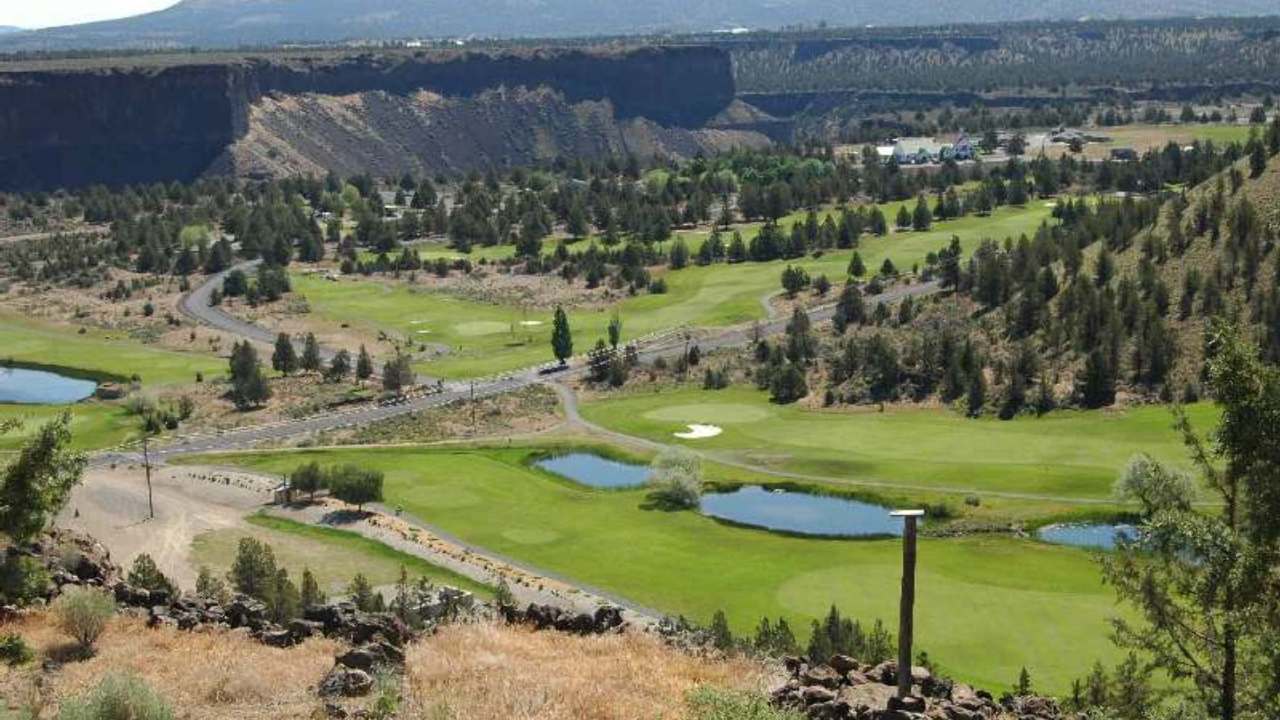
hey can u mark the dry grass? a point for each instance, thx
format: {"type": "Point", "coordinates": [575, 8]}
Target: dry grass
{"type": "Point", "coordinates": [481, 672]}
{"type": "Point", "coordinates": [204, 675]}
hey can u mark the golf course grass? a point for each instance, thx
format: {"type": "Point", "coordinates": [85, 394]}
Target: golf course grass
{"type": "Point", "coordinates": [95, 424]}
{"type": "Point", "coordinates": [987, 605]}
{"type": "Point", "coordinates": [333, 556]}
{"type": "Point", "coordinates": [1068, 455]}
{"type": "Point", "coordinates": [485, 338]}
{"type": "Point", "coordinates": [97, 351]}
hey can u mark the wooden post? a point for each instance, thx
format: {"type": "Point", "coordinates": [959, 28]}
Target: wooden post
{"type": "Point", "coordinates": [906, 608]}
{"type": "Point", "coordinates": [146, 464]}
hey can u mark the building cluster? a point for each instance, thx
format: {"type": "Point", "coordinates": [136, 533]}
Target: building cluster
{"type": "Point", "coordinates": [926, 151]}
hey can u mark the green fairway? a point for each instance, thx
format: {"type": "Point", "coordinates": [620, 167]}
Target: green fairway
{"type": "Point", "coordinates": [94, 424]}
{"type": "Point", "coordinates": [485, 338]}
{"type": "Point", "coordinates": [987, 605]}
{"type": "Point", "coordinates": [334, 556]}
{"type": "Point", "coordinates": [98, 351]}
{"type": "Point", "coordinates": [1066, 454]}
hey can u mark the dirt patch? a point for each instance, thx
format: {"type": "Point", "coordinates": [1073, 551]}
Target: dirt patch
{"type": "Point", "coordinates": [528, 411]}
{"type": "Point", "coordinates": [111, 505]}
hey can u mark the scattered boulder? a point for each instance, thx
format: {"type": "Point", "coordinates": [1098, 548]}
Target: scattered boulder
{"type": "Point", "coordinates": [844, 689]}
{"type": "Point", "coordinates": [343, 681]}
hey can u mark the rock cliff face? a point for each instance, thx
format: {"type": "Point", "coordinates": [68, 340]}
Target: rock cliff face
{"type": "Point", "coordinates": [115, 125]}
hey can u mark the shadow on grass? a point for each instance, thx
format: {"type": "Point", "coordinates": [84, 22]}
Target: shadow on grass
{"type": "Point", "coordinates": [663, 503]}
{"type": "Point", "coordinates": [344, 517]}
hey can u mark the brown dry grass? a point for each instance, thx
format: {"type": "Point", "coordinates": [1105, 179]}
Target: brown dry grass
{"type": "Point", "coordinates": [479, 672]}
{"type": "Point", "coordinates": [212, 675]}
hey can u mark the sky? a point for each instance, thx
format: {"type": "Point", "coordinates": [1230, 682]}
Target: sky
{"type": "Point", "coordinates": [49, 13]}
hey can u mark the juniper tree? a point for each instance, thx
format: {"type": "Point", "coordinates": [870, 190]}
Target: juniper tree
{"type": "Point", "coordinates": [284, 359]}
{"type": "Point", "coordinates": [364, 364]}
{"type": "Point", "coordinates": [1201, 582]}
{"type": "Point", "coordinates": [311, 354]}
{"type": "Point", "coordinates": [561, 336]}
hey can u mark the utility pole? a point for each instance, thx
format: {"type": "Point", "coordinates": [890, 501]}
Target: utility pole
{"type": "Point", "coordinates": [146, 464]}
{"type": "Point", "coordinates": [906, 607]}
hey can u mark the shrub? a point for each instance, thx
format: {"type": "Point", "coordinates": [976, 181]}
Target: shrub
{"type": "Point", "coordinates": [675, 479]}
{"type": "Point", "coordinates": [707, 703]}
{"type": "Point", "coordinates": [83, 614]}
{"type": "Point", "coordinates": [117, 697]}
{"type": "Point", "coordinates": [146, 574]}
{"type": "Point", "coordinates": [14, 650]}
{"type": "Point", "coordinates": [22, 580]}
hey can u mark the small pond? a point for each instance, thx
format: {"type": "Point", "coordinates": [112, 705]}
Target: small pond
{"type": "Point", "coordinates": [1093, 536]}
{"type": "Point", "coordinates": [40, 387]}
{"type": "Point", "coordinates": [801, 513]}
{"type": "Point", "coordinates": [595, 471]}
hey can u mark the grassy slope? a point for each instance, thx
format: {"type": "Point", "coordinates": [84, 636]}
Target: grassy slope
{"type": "Point", "coordinates": [334, 556]}
{"type": "Point", "coordinates": [111, 353]}
{"type": "Point", "coordinates": [1065, 454]}
{"type": "Point", "coordinates": [987, 605]}
{"type": "Point", "coordinates": [488, 338]}
{"type": "Point", "coordinates": [96, 424]}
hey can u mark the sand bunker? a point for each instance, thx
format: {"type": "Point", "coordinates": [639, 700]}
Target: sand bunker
{"type": "Point", "coordinates": [423, 332]}
{"type": "Point", "coordinates": [530, 323]}
{"type": "Point", "coordinates": [699, 432]}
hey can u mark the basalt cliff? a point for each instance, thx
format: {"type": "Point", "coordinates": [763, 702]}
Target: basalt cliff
{"type": "Point", "coordinates": [149, 119]}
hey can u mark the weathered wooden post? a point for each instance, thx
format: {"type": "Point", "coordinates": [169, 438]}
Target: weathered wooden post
{"type": "Point", "coordinates": [906, 607]}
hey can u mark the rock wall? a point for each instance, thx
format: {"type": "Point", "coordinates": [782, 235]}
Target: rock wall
{"type": "Point", "coordinates": [158, 122]}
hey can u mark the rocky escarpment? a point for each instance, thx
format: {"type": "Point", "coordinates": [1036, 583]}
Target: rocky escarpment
{"type": "Point", "coordinates": [170, 120]}
{"type": "Point", "coordinates": [426, 133]}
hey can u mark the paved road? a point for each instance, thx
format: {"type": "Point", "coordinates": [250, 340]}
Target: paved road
{"type": "Point", "coordinates": [196, 305]}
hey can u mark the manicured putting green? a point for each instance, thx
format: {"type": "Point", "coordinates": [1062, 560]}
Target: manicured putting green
{"type": "Point", "coordinates": [987, 605]}
{"type": "Point", "coordinates": [711, 412]}
{"type": "Point", "coordinates": [476, 328]}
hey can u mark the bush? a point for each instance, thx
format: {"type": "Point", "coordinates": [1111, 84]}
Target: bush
{"type": "Point", "coordinates": [22, 580]}
{"type": "Point", "coordinates": [14, 650]}
{"type": "Point", "coordinates": [83, 614]}
{"type": "Point", "coordinates": [146, 574]}
{"type": "Point", "coordinates": [675, 479]}
{"type": "Point", "coordinates": [117, 697]}
{"type": "Point", "coordinates": [706, 703]}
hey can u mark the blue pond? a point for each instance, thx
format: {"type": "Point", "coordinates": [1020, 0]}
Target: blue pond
{"type": "Point", "coordinates": [801, 513]}
{"type": "Point", "coordinates": [39, 387]}
{"type": "Point", "coordinates": [1096, 537]}
{"type": "Point", "coordinates": [595, 471]}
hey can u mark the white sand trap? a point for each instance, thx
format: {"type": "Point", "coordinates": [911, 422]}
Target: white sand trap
{"type": "Point", "coordinates": [423, 332]}
{"type": "Point", "coordinates": [699, 432]}
{"type": "Point", "coordinates": [417, 322]}
{"type": "Point", "coordinates": [530, 323]}
{"type": "Point", "coordinates": [1051, 204]}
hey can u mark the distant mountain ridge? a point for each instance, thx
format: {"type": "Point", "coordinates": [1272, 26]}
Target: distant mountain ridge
{"type": "Point", "coordinates": [231, 23]}
{"type": "Point", "coordinates": [4, 29]}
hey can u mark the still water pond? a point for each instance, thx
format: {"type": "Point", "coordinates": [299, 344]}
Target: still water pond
{"type": "Point", "coordinates": [1093, 536]}
{"type": "Point", "coordinates": [595, 471]}
{"type": "Point", "coordinates": [801, 513]}
{"type": "Point", "coordinates": [40, 387]}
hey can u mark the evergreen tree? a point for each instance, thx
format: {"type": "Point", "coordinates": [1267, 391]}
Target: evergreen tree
{"type": "Point", "coordinates": [721, 637]}
{"type": "Point", "coordinates": [561, 336]}
{"type": "Point", "coordinates": [339, 367]}
{"type": "Point", "coordinates": [857, 268]}
{"type": "Point", "coordinates": [364, 365]}
{"type": "Point", "coordinates": [360, 592]}
{"type": "Point", "coordinates": [284, 360]}
{"type": "Point", "coordinates": [248, 386]}
{"type": "Point", "coordinates": [311, 361]}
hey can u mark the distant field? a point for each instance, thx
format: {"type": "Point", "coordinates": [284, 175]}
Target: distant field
{"type": "Point", "coordinates": [987, 605]}
{"type": "Point", "coordinates": [1067, 454]}
{"type": "Point", "coordinates": [1148, 137]}
{"type": "Point", "coordinates": [486, 338]}
{"type": "Point", "coordinates": [334, 556]}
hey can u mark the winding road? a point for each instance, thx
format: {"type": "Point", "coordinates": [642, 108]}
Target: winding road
{"type": "Point", "coordinates": [196, 305]}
